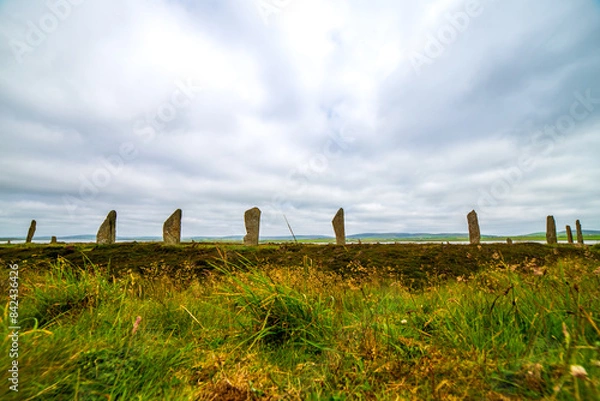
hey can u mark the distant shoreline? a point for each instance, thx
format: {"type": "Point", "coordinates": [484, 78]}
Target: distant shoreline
{"type": "Point", "coordinates": [316, 241]}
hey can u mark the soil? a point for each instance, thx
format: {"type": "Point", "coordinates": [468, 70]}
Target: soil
{"type": "Point", "coordinates": [416, 264]}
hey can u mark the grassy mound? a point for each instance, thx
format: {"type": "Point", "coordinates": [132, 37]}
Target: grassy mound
{"type": "Point", "coordinates": [520, 329]}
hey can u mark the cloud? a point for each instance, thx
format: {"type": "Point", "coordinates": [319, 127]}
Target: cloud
{"type": "Point", "coordinates": [215, 107]}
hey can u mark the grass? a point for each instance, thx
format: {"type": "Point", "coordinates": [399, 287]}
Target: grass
{"type": "Point", "coordinates": [256, 330]}
{"type": "Point", "coordinates": [560, 237]}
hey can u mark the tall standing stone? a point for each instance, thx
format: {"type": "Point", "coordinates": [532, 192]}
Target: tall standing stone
{"type": "Point", "coordinates": [53, 240]}
{"type": "Point", "coordinates": [474, 233]}
{"type": "Point", "coordinates": [252, 221]}
{"type": "Point", "coordinates": [339, 227]}
{"type": "Point", "coordinates": [172, 229]}
{"type": "Point", "coordinates": [569, 235]}
{"type": "Point", "coordinates": [579, 232]}
{"type": "Point", "coordinates": [31, 232]}
{"type": "Point", "coordinates": [551, 230]}
{"type": "Point", "coordinates": [107, 234]}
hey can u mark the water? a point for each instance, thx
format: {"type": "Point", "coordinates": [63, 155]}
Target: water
{"type": "Point", "coordinates": [589, 242]}
{"type": "Point", "coordinates": [353, 242]}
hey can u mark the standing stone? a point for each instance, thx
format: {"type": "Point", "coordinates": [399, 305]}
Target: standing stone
{"type": "Point", "coordinates": [252, 221]}
{"type": "Point", "coordinates": [569, 235]}
{"type": "Point", "coordinates": [551, 230]}
{"type": "Point", "coordinates": [107, 234]}
{"type": "Point", "coordinates": [339, 228]}
{"type": "Point", "coordinates": [53, 240]}
{"type": "Point", "coordinates": [579, 232]}
{"type": "Point", "coordinates": [31, 232]}
{"type": "Point", "coordinates": [172, 229]}
{"type": "Point", "coordinates": [474, 233]}
{"type": "Point", "coordinates": [509, 241]}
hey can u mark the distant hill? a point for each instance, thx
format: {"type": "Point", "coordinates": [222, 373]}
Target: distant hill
{"type": "Point", "coordinates": [268, 238]}
{"type": "Point", "coordinates": [408, 236]}
{"type": "Point", "coordinates": [561, 234]}
{"type": "Point", "coordinates": [585, 232]}
{"type": "Point", "coordinates": [371, 237]}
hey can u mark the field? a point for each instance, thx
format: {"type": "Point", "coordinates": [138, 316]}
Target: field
{"type": "Point", "coordinates": [304, 322]}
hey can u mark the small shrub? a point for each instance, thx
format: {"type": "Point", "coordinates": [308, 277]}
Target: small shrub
{"type": "Point", "coordinates": [278, 313]}
{"type": "Point", "coordinates": [66, 290]}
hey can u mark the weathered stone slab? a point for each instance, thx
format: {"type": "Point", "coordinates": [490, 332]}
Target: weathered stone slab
{"type": "Point", "coordinates": [252, 221]}
{"type": "Point", "coordinates": [579, 232]}
{"type": "Point", "coordinates": [31, 232]}
{"type": "Point", "coordinates": [53, 240]}
{"type": "Point", "coordinates": [474, 233]}
{"type": "Point", "coordinates": [339, 227]}
{"type": "Point", "coordinates": [551, 230]}
{"type": "Point", "coordinates": [509, 241]}
{"type": "Point", "coordinates": [172, 228]}
{"type": "Point", "coordinates": [569, 235]}
{"type": "Point", "coordinates": [107, 234]}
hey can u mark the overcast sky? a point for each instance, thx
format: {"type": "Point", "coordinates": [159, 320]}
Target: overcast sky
{"type": "Point", "coordinates": [408, 114]}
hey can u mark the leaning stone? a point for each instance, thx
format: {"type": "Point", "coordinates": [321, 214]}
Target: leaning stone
{"type": "Point", "coordinates": [569, 235]}
{"type": "Point", "coordinates": [172, 229]}
{"type": "Point", "coordinates": [53, 240]}
{"type": "Point", "coordinates": [107, 234]}
{"type": "Point", "coordinates": [551, 230]}
{"type": "Point", "coordinates": [31, 232]}
{"type": "Point", "coordinates": [339, 227]}
{"type": "Point", "coordinates": [579, 232]}
{"type": "Point", "coordinates": [252, 221]}
{"type": "Point", "coordinates": [474, 233]}
{"type": "Point", "coordinates": [509, 241]}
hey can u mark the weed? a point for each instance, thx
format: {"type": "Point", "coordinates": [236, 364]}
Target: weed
{"type": "Point", "coordinates": [244, 327]}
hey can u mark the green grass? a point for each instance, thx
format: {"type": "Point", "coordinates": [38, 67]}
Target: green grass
{"type": "Point", "coordinates": [561, 237]}
{"type": "Point", "coordinates": [249, 330]}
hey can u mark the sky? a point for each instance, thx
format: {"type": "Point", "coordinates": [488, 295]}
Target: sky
{"type": "Point", "coordinates": [406, 114]}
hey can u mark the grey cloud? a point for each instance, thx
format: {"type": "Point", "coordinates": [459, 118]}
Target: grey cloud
{"type": "Point", "coordinates": [277, 101]}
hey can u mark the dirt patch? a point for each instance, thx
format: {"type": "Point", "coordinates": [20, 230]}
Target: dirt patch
{"type": "Point", "coordinates": [225, 391]}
